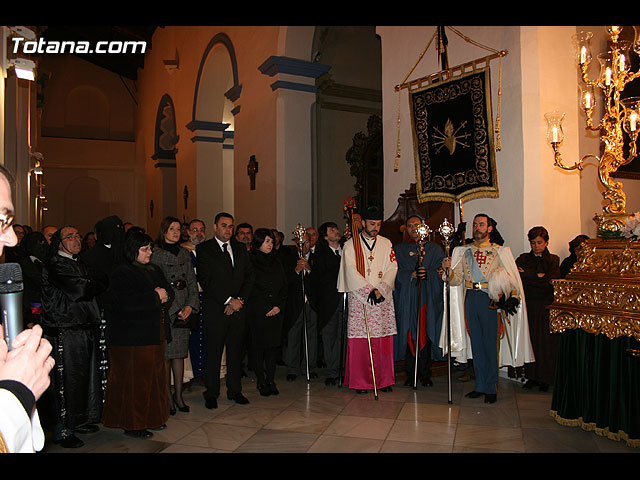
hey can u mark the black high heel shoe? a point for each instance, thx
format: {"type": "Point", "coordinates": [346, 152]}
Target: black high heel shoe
{"type": "Point", "coordinates": [185, 408]}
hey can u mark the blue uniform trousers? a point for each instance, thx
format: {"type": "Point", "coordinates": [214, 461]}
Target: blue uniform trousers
{"type": "Point", "coordinates": [483, 330]}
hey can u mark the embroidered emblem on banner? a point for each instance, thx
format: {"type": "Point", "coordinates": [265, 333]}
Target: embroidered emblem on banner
{"type": "Point", "coordinates": [452, 129]}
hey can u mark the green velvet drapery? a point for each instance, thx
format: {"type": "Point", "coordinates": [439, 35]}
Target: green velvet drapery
{"type": "Point", "coordinates": [597, 385]}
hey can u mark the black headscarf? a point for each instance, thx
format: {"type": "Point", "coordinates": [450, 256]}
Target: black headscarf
{"type": "Point", "coordinates": [35, 245]}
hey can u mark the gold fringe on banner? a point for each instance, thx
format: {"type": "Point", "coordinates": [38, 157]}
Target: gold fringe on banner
{"type": "Point", "coordinates": [447, 74]}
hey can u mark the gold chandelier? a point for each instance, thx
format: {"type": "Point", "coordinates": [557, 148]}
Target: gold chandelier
{"type": "Point", "coordinates": [620, 115]}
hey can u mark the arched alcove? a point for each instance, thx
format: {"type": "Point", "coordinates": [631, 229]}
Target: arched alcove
{"type": "Point", "coordinates": [86, 112]}
{"type": "Point", "coordinates": [95, 197]}
{"type": "Point", "coordinates": [166, 138]}
{"type": "Point", "coordinates": [217, 88]}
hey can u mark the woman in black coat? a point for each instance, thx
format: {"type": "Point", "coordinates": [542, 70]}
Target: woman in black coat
{"type": "Point", "coordinates": [264, 309]}
{"type": "Point", "coordinates": [137, 395]}
{"type": "Point", "coordinates": [537, 268]}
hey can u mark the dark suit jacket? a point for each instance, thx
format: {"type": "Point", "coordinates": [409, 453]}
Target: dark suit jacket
{"type": "Point", "coordinates": [326, 266]}
{"type": "Point", "coordinates": [216, 277]}
{"type": "Point", "coordinates": [295, 298]}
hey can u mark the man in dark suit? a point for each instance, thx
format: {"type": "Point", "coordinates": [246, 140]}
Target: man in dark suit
{"type": "Point", "coordinates": [300, 320]}
{"type": "Point", "coordinates": [226, 277]}
{"type": "Point", "coordinates": [330, 301]}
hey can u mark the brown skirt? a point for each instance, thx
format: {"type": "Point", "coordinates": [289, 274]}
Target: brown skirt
{"type": "Point", "coordinates": [137, 395]}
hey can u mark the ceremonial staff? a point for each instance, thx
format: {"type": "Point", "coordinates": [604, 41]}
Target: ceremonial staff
{"type": "Point", "coordinates": [349, 206]}
{"type": "Point", "coordinates": [446, 231]}
{"type": "Point", "coordinates": [299, 233]}
{"type": "Point", "coordinates": [343, 330]}
{"type": "Point", "coordinates": [423, 232]}
{"type": "Point", "coordinates": [359, 257]}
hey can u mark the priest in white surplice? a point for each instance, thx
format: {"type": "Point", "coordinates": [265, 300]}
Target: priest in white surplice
{"type": "Point", "coordinates": [368, 274]}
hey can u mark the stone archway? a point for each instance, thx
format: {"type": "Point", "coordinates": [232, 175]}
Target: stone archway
{"type": "Point", "coordinates": [217, 89]}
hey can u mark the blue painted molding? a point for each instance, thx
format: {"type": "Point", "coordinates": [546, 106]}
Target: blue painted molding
{"type": "Point", "coordinates": [301, 87]}
{"type": "Point", "coordinates": [209, 126]}
{"type": "Point", "coordinates": [227, 147]}
{"type": "Point", "coordinates": [294, 66]}
{"type": "Point", "coordinates": [200, 138]}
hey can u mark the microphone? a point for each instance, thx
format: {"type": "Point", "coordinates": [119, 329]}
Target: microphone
{"type": "Point", "coordinates": [11, 288]}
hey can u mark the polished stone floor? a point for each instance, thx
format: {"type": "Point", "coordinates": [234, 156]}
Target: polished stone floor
{"type": "Point", "coordinates": [314, 418]}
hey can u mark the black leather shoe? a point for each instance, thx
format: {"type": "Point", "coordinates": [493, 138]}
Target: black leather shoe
{"type": "Point", "coordinates": [264, 390]}
{"type": "Point", "coordinates": [330, 381]}
{"type": "Point", "coordinates": [210, 403]}
{"type": "Point", "coordinates": [161, 427]}
{"type": "Point", "coordinates": [291, 377]}
{"type": "Point", "coordinates": [70, 441]}
{"type": "Point", "coordinates": [529, 384]}
{"type": "Point", "coordinates": [313, 375]}
{"type": "Point", "coordinates": [426, 382]}
{"type": "Point", "coordinates": [490, 398]}
{"type": "Point", "coordinates": [272, 389]}
{"type": "Point", "coordinates": [89, 428]}
{"type": "Point", "coordinates": [238, 398]}
{"type": "Point", "coordinates": [138, 433]}
{"type": "Point", "coordinates": [184, 408]}
{"type": "Point", "coordinates": [386, 389]}
{"type": "Point", "coordinates": [474, 394]}
{"type": "Point", "coordinates": [361, 391]}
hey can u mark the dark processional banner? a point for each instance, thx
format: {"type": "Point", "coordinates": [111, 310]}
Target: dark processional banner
{"type": "Point", "coordinates": [453, 138]}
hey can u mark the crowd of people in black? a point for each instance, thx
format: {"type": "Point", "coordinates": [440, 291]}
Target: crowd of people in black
{"type": "Point", "coordinates": [124, 311]}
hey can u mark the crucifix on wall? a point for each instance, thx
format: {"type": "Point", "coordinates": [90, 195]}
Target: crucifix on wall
{"type": "Point", "coordinates": [252, 169]}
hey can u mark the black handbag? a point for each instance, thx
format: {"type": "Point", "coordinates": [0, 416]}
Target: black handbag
{"type": "Point", "coordinates": [191, 322]}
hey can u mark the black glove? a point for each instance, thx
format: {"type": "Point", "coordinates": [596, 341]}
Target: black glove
{"type": "Point", "coordinates": [508, 305]}
{"type": "Point", "coordinates": [421, 272]}
{"type": "Point", "coordinates": [373, 300]}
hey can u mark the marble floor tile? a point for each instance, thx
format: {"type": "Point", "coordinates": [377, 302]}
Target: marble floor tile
{"type": "Point", "coordinates": [367, 406]}
{"type": "Point", "coordinates": [360, 427]}
{"type": "Point", "coordinates": [489, 415]}
{"type": "Point", "coordinates": [331, 444]}
{"type": "Point", "coordinates": [538, 418]}
{"type": "Point", "coordinates": [428, 412]}
{"type": "Point", "coordinates": [438, 433]}
{"type": "Point", "coordinates": [218, 436]}
{"type": "Point", "coordinates": [177, 448]}
{"type": "Point", "coordinates": [277, 441]}
{"type": "Point", "coordinates": [330, 405]}
{"type": "Point", "coordinates": [567, 440]}
{"type": "Point", "coordinates": [300, 421]}
{"type": "Point", "coordinates": [393, 446]}
{"type": "Point", "coordinates": [490, 437]}
{"type": "Point", "coordinates": [318, 418]}
{"type": "Point", "coordinates": [247, 416]}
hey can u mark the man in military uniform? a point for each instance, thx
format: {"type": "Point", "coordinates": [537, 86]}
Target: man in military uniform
{"type": "Point", "coordinates": [488, 293]}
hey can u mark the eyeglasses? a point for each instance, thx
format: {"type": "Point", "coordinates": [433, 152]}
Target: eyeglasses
{"type": "Point", "coordinates": [6, 219]}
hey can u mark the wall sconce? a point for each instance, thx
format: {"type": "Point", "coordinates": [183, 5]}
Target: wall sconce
{"type": "Point", "coordinates": [619, 115]}
{"type": "Point", "coordinates": [24, 68]}
{"type": "Point", "coordinates": [555, 136]}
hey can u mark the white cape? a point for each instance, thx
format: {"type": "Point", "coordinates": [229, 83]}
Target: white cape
{"type": "Point", "coordinates": [515, 345]}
